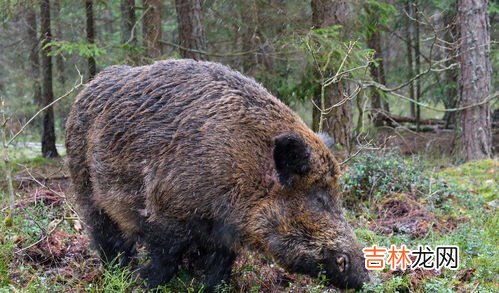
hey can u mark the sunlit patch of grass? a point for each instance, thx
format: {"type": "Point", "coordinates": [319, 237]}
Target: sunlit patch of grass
{"type": "Point", "coordinates": [116, 279]}
{"type": "Point", "coordinates": [476, 186]}
{"type": "Point", "coordinates": [478, 239]}
{"type": "Point", "coordinates": [21, 156]}
{"type": "Point", "coordinates": [394, 285]}
{"type": "Point", "coordinates": [469, 197]}
{"type": "Point", "coordinates": [477, 177]}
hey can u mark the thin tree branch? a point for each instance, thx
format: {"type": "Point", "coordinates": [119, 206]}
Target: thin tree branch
{"type": "Point", "coordinates": [76, 86]}
{"type": "Point", "coordinates": [381, 87]}
{"type": "Point", "coordinates": [229, 54]}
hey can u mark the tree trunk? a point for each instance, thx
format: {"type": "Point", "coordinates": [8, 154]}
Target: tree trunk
{"type": "Point", "coordinates": [417, 56]}
{"type": "Point", "coordinates": [251, 36]}
{"type": "Point", "coordinates": [338, 122]}
{"type": "Point", "coordinates": [475, 78]}
{"type": "Point", "coordinates": [48, 136]}
{"type": "Point", "coordinates": [89, 10]}
{"type": "Point", "coordinates": [152, 27]}
{"type": "Point", "coordinates": [190, 29]}
{"type": "Point", "coordinates": [451, 76]}
{"type": "Point", "coordinates": [410, 63]}
{"type": "Point", "coordinates": [128, 19]}
{"type": "Point", "coordinates": [34, 59]}
{"type": "Point", "coordinates": [377, 71]}
{"type": "Point", "coordinates": [258, 52]}
{"type": "Point", "coordinates": [59, 62]}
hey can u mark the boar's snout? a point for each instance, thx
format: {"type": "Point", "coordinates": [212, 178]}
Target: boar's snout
{"type": "Point", "coordinates": [345, 270]}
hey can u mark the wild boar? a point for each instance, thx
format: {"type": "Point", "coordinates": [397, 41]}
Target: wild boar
{"type": "Point", "coordinates": [182, 154]}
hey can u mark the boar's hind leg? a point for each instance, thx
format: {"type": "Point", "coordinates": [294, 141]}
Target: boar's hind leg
{"type": "Point", "coordinates": [165, 247]}
{"type": "Point", "coordinates": [105, 234]}
{"type": "Point", "coordinates": [217, 263]}
{"type": "Point", "coordinates": [107, 238]}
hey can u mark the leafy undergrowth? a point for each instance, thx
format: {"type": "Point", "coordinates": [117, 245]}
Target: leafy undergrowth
{"type": "Point", "coordinates": [390, 200]}
{"type": "Point", "coordinates": [458, 206]}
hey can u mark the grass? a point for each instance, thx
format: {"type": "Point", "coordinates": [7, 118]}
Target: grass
{"type": "Point", "coordinates": [469, 198]}
{"type": "Point", "coordinates": [475, 184]}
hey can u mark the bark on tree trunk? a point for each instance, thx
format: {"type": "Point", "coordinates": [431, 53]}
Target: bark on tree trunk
{"type": "Point", "coordinates": [451, 76]}
{"type": "Point", "coordinates": [253, 39]}
{"type": "Point", "coordinates": [251, 36]}
{"type": "Point", "coordinates": [377, 72]}
{"type": "Point", "coordinates": [410, 64]}
{"type": "Point", "coordinates": [190, 29]}
{"type": "Point", "coordinates": [152, 27]}
{"type": "Point", "coordinates": [34, 59]}
{"type": "Point", "coordinates": [59, 62]}
{"type": "Point", "coordinates": [417, 56]}
{"type": "Point", "coordinates": [128, 18]}
{"type": "Point", "coordinates": [475, 78]}
{"type": "Point", "coordinates": [49, 149]}
{"type": "Point", "coordinates": [338, 124]}
{"type": "Point", "coordinates": [89, 10]}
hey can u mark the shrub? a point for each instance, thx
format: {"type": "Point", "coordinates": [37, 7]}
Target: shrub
{"type": "Point", "coordinates": [373, 174]}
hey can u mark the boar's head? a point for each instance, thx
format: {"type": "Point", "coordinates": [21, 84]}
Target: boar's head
{"type": "Point", "coordinates": [301, 224]}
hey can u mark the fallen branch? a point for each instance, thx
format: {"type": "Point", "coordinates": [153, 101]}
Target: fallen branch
{"type": "Point", "coordinates": [39, 179]}
{"type": "Point", "coordinates": [44, 236]}
{"type": "Point", "coordinates": [403, 119]}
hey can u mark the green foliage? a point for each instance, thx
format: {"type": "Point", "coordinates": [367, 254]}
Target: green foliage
{"type": "Point", "coordinates": [6, 250]}
{"type": "Point", "coordinates": [493, 8]}
{"type": "Point", "coordinates": [376, 15]}
{"type": "Point", "coordinates": [184, 282]}
{"type": "Point", "coordinates": [330, 54]}
{"type": "Point", "coordinates": [394, 285]}
{"type": "Point", "coordinates": [479, 175]}
{"type": "Point", "coordinates": [494, 57]}
{"type": "Point", "coordinates": [445, 6]}
{"type": "Point", "coordinates": [83, 49]}
{"type": "Point", "coordinates": [8, 237]}
{"type": "Point", "coordinates": [8, 9]}
{"type": "Point", "coordinates": [330, 58]}
{"type": "Point", "coordinates": [115, 279]}
{"type": "Point", "coordinates": [474, 188]}
{"type": "Point", "coordinates": [373, 174]}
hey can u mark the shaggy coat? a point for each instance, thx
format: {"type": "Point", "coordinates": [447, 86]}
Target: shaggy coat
{"type": "Point", "coordinates": [183, 154]}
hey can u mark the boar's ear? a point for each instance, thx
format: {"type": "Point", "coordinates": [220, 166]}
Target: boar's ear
{"type": "Point", "coordinates": [291, 157]}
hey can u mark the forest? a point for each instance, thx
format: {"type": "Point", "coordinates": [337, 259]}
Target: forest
{"type": "Point", "coordinates": [405, 89]}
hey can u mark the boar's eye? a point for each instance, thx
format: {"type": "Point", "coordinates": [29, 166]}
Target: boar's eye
{"type": "Point", "coordinates": [320, 200]}
{"type": "Point", "coordinates": [291, 157]}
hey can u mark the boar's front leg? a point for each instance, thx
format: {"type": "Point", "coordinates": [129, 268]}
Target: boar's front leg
{"type": "Point", "coordinates": [165, 247]}
{"type": "Point", "coordinates": [217, 264]}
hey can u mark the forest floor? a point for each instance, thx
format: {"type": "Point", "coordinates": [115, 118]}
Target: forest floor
{"type": "Point", "coordinates": [43, 247]}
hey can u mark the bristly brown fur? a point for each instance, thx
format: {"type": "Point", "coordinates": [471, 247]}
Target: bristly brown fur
{"type": "Point", "coordinates": [183, 153]}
